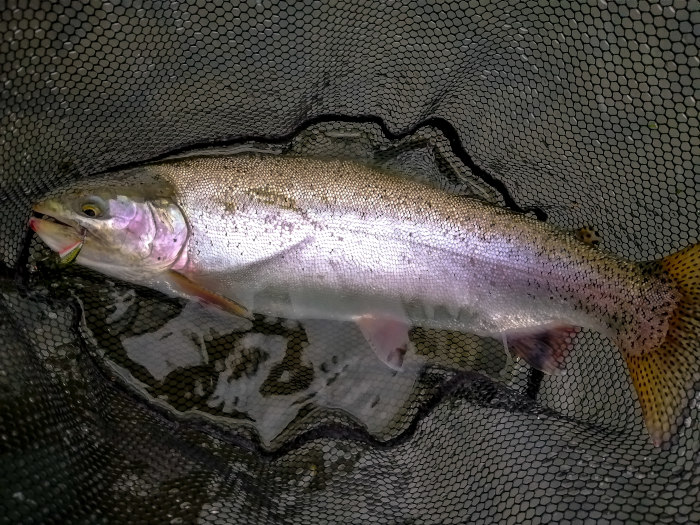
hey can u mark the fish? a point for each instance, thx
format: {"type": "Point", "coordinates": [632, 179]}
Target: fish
{"type": "Point", "coordinates": [324, 238]}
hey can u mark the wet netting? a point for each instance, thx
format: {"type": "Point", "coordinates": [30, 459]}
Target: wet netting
{"type": "Point", "coordinates": [122, 405]}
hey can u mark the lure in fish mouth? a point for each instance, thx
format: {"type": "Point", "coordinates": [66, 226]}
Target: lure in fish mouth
{"type": "Point", "coordinates": [305, 238]}
{"type": "Point", "coordinates": [65, 239]}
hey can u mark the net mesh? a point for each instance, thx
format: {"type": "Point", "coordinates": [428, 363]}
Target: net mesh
{"type": "Point", "coordinates": [118, 404]}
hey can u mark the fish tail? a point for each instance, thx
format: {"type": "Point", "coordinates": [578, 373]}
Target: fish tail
{"type": "Point", "coordinates": [664, 375]}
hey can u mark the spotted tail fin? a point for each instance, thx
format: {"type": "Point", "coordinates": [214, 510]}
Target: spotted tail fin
{"type": "Point", "coordinates": [663, 376]}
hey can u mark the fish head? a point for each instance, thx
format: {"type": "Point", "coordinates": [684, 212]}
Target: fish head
{"type": "Point", "coordinates": [112, 229]}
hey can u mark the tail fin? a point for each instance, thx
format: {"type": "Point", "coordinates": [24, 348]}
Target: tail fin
{"type": "Point", "coordinates": [662, 377]}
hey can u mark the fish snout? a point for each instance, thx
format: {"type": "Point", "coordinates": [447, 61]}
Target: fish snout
{"type": "Point", "coordinates": [45, 208]}
{"type": "Point", "coordinates": [61, 238]}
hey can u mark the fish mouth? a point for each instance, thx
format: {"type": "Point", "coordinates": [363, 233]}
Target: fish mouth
{"type": "Point", "coordinates": [65, 238]}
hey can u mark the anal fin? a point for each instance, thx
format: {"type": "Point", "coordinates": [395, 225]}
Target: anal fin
{"type": "Point", "coordinates": [388, 338]}
{"type": "Point", "coordinates": [544, 349]}
{"type": "Point", "coordinates": [191, 288]}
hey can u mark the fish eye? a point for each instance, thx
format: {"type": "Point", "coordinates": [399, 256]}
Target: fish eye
{"type": "Point", "coordinates": [92, 207]}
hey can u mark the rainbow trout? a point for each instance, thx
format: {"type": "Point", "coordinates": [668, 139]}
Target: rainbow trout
{"type": "Point", "coordinates": [308, 238]}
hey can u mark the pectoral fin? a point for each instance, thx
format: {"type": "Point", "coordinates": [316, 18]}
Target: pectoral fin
{"type": "Point", "coordinates": [191, 288]}
{"type": "Point", "coordinates": [388, 338]}
{"type": "Point", "coordinates": [544, 349]}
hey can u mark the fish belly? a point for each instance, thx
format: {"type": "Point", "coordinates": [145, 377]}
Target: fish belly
{"type": "Point", "coordinates": [345, 268]}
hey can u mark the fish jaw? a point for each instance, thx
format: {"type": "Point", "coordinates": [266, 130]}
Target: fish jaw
{"type": "Point", "coordinates": [61, 238]}
{"type": "Point", "coordinates": [47, 207]}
